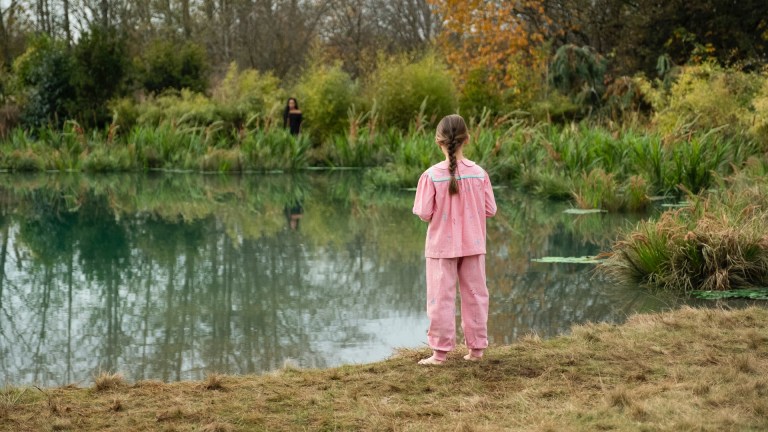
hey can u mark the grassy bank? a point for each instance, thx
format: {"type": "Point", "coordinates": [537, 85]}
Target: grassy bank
{"type": "Point", "coordinates": [683, 370]}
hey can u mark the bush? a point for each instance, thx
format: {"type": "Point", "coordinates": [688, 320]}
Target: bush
{"type": "Point", "coordinates": [404, 90]}
{"type": "Point", "coordinates": [179, 108]}
{"type": "Point", "coordinates": [169, 65]}
{"type": "Point", "coordinates": [578, 72]}
{"type": "Point", "coordinates": [46, 75]}
{"type": "Point", "coordinates": [325, 94]}
{"type": "Point", "coordinates": [479, 94]}
{"type": "Point", "coordinates": [759, 128]}
{"type": "Point", "coordinates": [101, 56]}
{"type": "Point", "coordinates": [706, 97]}
{"type": "Point", "coordinates": [246, 95]}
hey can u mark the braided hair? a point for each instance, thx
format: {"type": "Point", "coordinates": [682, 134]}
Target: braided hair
{"type": "Point", "coordinates": [452, 134]}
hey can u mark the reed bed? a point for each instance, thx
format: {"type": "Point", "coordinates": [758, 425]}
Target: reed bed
{"type": "Point", "coordinates": [718, 242]}
{"type": "Point", "coordinates": [593, 166]}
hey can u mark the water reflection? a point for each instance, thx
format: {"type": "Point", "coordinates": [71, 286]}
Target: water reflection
{"type": "Point", "coordinates": [171, 276]}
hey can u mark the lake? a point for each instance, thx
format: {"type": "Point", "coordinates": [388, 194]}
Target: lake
{"type": "Point", "coordinates": [170, 276]}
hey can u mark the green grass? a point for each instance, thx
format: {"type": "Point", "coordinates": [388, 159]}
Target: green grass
{"type": "Point", "coordinates": [592, 165]}
{"type": "Point", "coordinates": [690, 369]}
{"type": "Point", "coordinates": [718, 242]}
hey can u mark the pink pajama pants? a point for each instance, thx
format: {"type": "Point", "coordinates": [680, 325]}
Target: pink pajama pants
{"type": "Point", "coordinates": [442, 275]}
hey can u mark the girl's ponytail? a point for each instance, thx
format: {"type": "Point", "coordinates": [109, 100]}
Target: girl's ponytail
{"type": "Point", "coordinates": [452, 133]}
{"type": "Point", "coordinates": [453, 187]}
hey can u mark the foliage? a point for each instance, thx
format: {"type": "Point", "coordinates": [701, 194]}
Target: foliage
{"type": "Point", "coordinates": [408, 92]}
{"type": "Point", "coordinates": [579, 73]}
{"type": "Point", "coordinates": [706, 97]}
{"type": "Point", "coordinates": [168, 65]}
{"type": "Point", "coordinates": [479, 93]}
{"type": "Point", "coordinates": [101, 55]}
{"type": "Point", "coordinates": [247, 95]}
{"type": "Point", "coordinates": [760, 125]}
{"type": "Point", "coordinates": [597, 190]}
{"type": "Point", "coordinates": [180, 108]}
{"type": "Point", "coordinates": [717, 243]}
{"type": "Point", "coordinates": [325, 95]}
{"type": "Point", "coordinates": [46, 73]}
{"type": "Point", "coordinates": [493, 36]}
{"type": "Point", "coordinates": [637, 34]}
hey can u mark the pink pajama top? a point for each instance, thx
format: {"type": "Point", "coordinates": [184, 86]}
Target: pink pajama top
{"type": "Point", "coordinates": [456, 222]}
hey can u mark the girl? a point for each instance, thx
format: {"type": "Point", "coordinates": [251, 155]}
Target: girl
{"type": "Point", "coordinates": [292, 116]}
{"type": "Point", "coordinates": [455, 197]}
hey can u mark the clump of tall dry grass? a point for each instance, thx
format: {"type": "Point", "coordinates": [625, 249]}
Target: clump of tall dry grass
{"type": "Point", "coordinates": [109, 381]}
{"type": "Point", "coordinates": [213, 381]}
{"type": "Point", "coordinates": [719, 242]}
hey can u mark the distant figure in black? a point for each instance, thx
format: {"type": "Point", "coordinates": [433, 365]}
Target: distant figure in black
{"type": "Point", "coordinates": [292, 116]}
{"type": "Point", "coordinates": [293, 214]}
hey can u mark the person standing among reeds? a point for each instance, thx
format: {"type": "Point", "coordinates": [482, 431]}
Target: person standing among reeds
{"type": "Point", "coordinates": [292, 116]}
{"type": "Point", "coordinates": [455, 197]}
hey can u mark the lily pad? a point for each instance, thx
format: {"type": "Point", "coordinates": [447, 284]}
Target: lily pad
{"type": "Point", "coordinates": [570, 260]}
{"type": "Point", "coordinates": [584, 211]}
{"type": "Point", "coordinates": [746, 293]}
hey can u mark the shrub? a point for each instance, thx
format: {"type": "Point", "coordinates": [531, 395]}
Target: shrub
{"type": "Point", "coordinates": [183, 107]}
{"type": "Point", "coordinates": [478, 94]}
{"type": "Point", "coordinates": [636, 191]}
{"type": "Point", "coordinates": [759, 128]}
{"type": "Point", "coordinates": [579, 72]}
{"type": "Point", "coordinates": [46, 74]}
{"type": "Point", "coordinates": [25, 160]}
{"type": "Point", "coordinates": [170, 65]}
{"type": "Point", "coordinates": [108, 159]}
{"type": "Point", "coordinates": [275, 149]}
{"type": "Point", "coordinates": [101, 56]}
{"type": "Point", "coordinates": [325, 95]}
{"type": "Point", "coordinates": [222, 160]}
{"type": "Point", "coordinates": [705, 97]}
{"type": "Point", "coordinates": [404, 89]}
{"type": "Point", "coordinates": [245, 94]}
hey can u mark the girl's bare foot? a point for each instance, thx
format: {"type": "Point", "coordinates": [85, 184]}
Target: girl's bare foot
{"type": "Point", "coordinates": [470, 357]}
{"type": "Point", "coordinates": [430, 361]}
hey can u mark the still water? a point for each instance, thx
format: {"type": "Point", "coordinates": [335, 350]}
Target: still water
{"type": "Point", "coordinates": [172, 276]}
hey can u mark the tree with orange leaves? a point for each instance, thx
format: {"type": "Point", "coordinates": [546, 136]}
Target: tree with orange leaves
{"type": "Point", "coordinates": [501, 37]}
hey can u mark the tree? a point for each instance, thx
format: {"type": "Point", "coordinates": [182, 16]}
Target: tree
{"type": "Point", "coordinates": [169, 65]}
{"type": "Point", "coordinates": [46, 71]}
{"type": "Point", "coordinates": [11, 27]}
{"type": "Point", "coordinates": [496, 35]}
{"type": "Point", "coordinates": [635, 34]}
{"type": "Point", "coordinates": [102, 62]}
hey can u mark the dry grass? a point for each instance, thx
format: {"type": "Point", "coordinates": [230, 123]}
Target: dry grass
{"type": "Point", "coordinates": [106, 381]}
{"type": "Point", "coordinates": [213, 381]}
{"type": "Point", "coordinates": [719, 242]}
{"type": "Point", "coordinates": [689, 369]}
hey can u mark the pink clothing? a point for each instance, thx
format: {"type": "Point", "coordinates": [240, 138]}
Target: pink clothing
{"type": "Point", "coordinates": [442, 275]}
{"type": "Point", "coordinates": [456, 222]}
{"type": "Point", "coordinates": [455, 251]}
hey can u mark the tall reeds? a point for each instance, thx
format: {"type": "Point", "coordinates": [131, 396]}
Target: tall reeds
{"type": "Point", "coordinates": [719, 242]}
{"type": "Point", "coordinates": [593, 166]}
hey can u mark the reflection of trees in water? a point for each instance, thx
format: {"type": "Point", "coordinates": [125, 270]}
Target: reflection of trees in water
{"type": "Point", "coordinates": [551, 300]}
{"type": "Point", "coordinates": [167, 276]}
{"type": "Point", "coordinates": [154, 297]}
